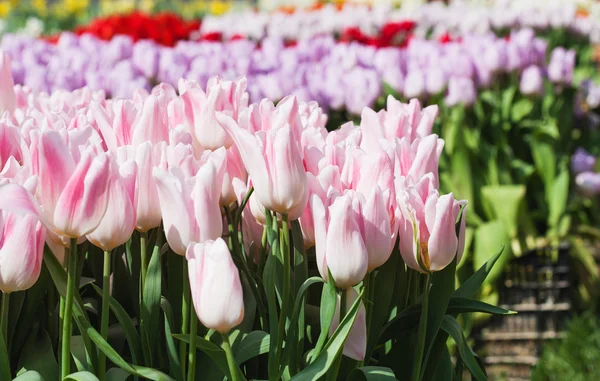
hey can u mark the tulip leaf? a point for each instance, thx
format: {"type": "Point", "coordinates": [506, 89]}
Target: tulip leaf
{"type": "Point", "coordinates": [557, 196]}
{"type": "Point", "coordinates": [405, 321]}
{"type": "Point", "coordinates": [172, 351]}
{"type": "Point", "coordinates": [38, 355]}
{"type": "Point", "coordinates": [150, 312]}
{"type": "Point", "coordinates": [216, 353]}
{"type": "Point", "coordinates": [372, 373]}
{"type": "Point", "coordinates": [458, 305]}
{"type": "Point", "coordinates": [442, 286]}
{"type": "Point", "coordinates": [117, 374]}
{"type": "Point", "coordinates": [383, 292]}
{"type": "Point", "coordinates": [489, 238]}
{"type": "Point", "coordinates": [4, 360]}
{"type": "Point", "coordinates": [326, 313]}
{"type": "Point", "coordinates": [333, 349]}
{"type": "Point", "coordinates": [81, 376]}
{"type": "Point", "coordinates": [544, 157]}
{"type": "Point", "coordinates": [296, 312]}
{"type": "Point", "coordinates": [451, 326]}
{"type": "Point", "coordinates": [101, 344]}
{"type": "Point", "coordinates": [503, 202]}
{"type": "Point", "coordinates": [254, 344]}
{"type": "Point", "coordinates": [30, 375]}
{"type": "Point", "coordinates": [445, 367]}
{"type": "Point", "coordinates": [472, 285]}
{"type": "Point", "coordinates": [521, 109]}
{"type": "Point", "coordinates": [131, 335]}
{"type": "Point", "coordinates": [269, 285]}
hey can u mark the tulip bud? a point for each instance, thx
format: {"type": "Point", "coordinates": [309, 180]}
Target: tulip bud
{"type": "Point", "coordinates": [428, 240]}
{"type": "Point", "coordinates": [215, 285]}
{"type": "Point", "coordinates": [339, 244]}
{"type": "Point", "coordinates": [21, 250]}
{"type": "Point", "coordinates": [118, 222]}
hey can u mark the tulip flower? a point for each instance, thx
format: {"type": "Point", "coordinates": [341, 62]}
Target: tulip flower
{"type": "Point", "coordinates": [118, 222]}
{"type": "Point", "coordinates": [7, 93]}
{"type": "Point", "coordinates": [582, 161]}
{"type": "Point", "coordinates": [73, 195]}
{"type": "Point", "coordinates": [588, 183]}
{"type": "Point", "coordinates": [190, 207]}
{"type": "Point", "coordinates": [428, 239]}
{"type": "Point", "coordinates": [21, 250]}
{"type": "Point", "coordinates": [274, 163]}
{"type": "Point", "coordinates": [215, 285]}
{"type": "Point", "coordinates": [339, 244]}
{"type": "Point", "coordinates": [356, 342]}
{"type": "Point", "coordinates": [532, 81]}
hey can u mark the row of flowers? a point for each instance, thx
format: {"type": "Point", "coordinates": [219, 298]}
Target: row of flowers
{"type": "Point", "coordinates": [435, 18]}
{"type": "Point", "coordinates": [337, 75]}
{"type": "Point", "coordinates": [227, 183]}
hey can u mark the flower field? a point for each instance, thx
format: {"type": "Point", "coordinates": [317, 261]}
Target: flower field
{"type": "Point", "coordinates": [336, 192]}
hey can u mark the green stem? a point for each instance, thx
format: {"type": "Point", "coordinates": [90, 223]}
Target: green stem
{"type": "Point", "coordinates": [422, 331]}
{"type": "Point", "coordinates": [233, 368]}
{"type": "Point", "coordinates": [285, 296]}
{"type": "Point", "coordinates": [105, 313]}
{"type": "Point", "coordinates": [192, 354]}
{"type": "Point", "coordinates": [143, 260]}
{"type": "Point", "coordinates": [369, 285]}
{"type": "Point", "coordinates": [68, 316]}
{"type": "Point", "coordinates": [4, 316]}
{"type": "Point", "coordinates": [185, 315]}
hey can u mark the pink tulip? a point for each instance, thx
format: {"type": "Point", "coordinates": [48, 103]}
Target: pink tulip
{"type": "Point", "coordinates": [428, 240]}
{"type": "Point", "coordinates": [190, 207]}
{"type": "Point", "coordinates": [7, 92]}
{"type": "Point", "coordinates": [150, 123]}
{"type": "Point", "coordinates": [118, 222]}
{"type": "Point", "coordinates": [215, 284]}
{"type": "Point", "coordinates": [417, 158]}
{"type": "Point", "coordinates": [400, 120]}
{"type": "Point", "coordinates": [355, 346]}
{"type": "Point", "coordinates": [339, 242]}
{"type": "Point", "coordinates": [146, 157]}
{"type": "Point", "coordinates": [12, 145]}
{"type": "Point", "coordinates": [73, 194]}
{"type": "Point", "coordinates": [274, 162]}
{"type": "Point", "coordinates": [235, 170]}
{"type": "Point", "coordinates": [21, 250]}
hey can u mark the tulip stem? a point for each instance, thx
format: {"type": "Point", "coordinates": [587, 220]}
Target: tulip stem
{"type": "Point", "coordinates": [105, 313]}
{"type": "Point", "coordinates": [185, 315]}
{"type": "Point", "coordinates": [369, 296]}
{"type": "Point", "coordinates": [143, 260]}
{"type": "Point", "coordinates": [233, 368]}
{"type": "Point", "coordinates": [335, 368]}
{"type": "Point", "coordinates": [416, 376]}
{"type": "Point", "coordinates": [193, 349]}
{"type": "Point", "coordinates": [285, 296]}
{"type": "Point", "coordinates": [68, 316]}
{"type": "Point", "coordinates": [4, 316]}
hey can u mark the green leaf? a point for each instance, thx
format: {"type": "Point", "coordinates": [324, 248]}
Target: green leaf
{"type": "Point", "coordinates": [4, 360]}
{"type": "Point", "coordinates": [522, 108]}
{"type": "Point", "coordinates": [213, 351]}
{"type": "Point", "coordinates": [117, 374]}
{"type": "Point", "coordinates": [269, 286]}
{"type": "Point", "coordinates": [505, 203]}
{"type": "Point", "coordinates": [172, 351]}
{"type": "Point", "coordinates": [326, 313]}
{"type": "Point", "coordinates": [149, 325]}
{"type": "Point", "coordinates": [445, 367]}
{"type": "Point", "coordinates": [30, 375]}
{"type": "Point", "coordinates": [333, 348]}
{"type": "Point", "coordinates": [472, 285]}
{"type": "Point", "coordinates": [101, 344]}
{"type": "Point", "coordinates": [451, 326]}
{"type": "Point", "coordinates": [442, 286]}
{"type": "Point", "coordinates": [131, 335]}
{"type": "Point", "coordinates": [38, 355]}
{"type": "Point", "coordinates": [544, 157]}
{"type": "Point", "coordinates": [460, 305]}
{"type": "Point", "coordinates": [405, 321]}
{"type": "Point", "coordinates": [81, 376]}
{"type": "Point", "coordinates": [385, 278]}
{"type": "Point", "coordinates": [372, 373]}
{"type": "Point", "coordinates": [557, 197]}
{"type": "Point", "coordinates": [254, 344]}
{"type": "Point", "coordinates": [507, 100]}
{"type": "Point", "coordinates": [490, 238]}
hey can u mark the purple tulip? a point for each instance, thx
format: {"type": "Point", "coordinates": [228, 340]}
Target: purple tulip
{"type": "Point", "coordinates": [582, 161]}
{"type": "Point", "coordinates": [532, 81]}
